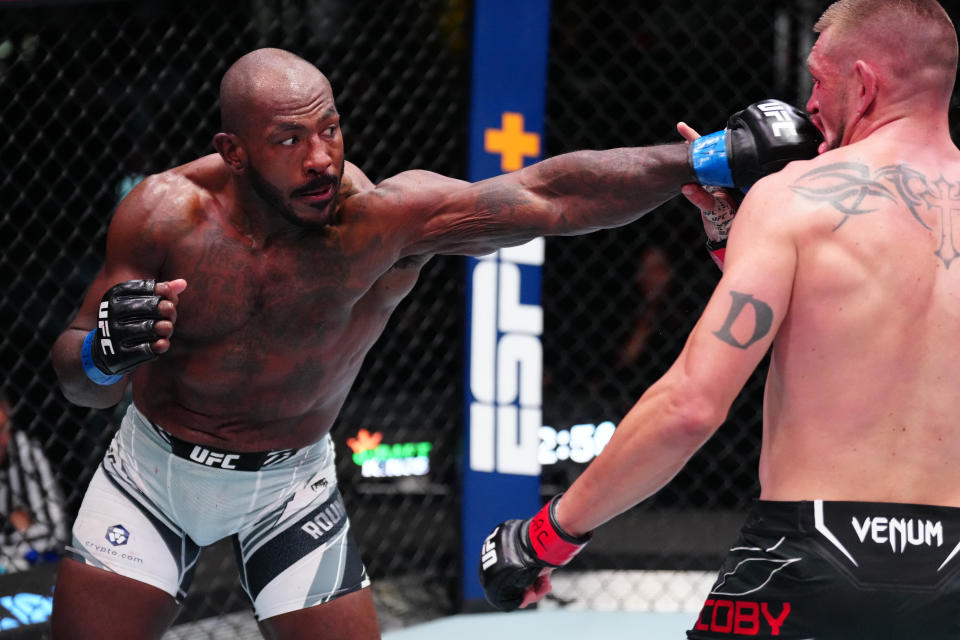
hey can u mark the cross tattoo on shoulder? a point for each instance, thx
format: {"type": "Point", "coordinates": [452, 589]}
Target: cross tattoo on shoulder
{"type": "Point", "coordinates": [852, 189]}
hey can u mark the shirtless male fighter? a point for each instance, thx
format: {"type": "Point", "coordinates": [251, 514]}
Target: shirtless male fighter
{"type": "Point", "coordinates": [279, 263]}
{"type": "Point", "coordinates": [847, 265]}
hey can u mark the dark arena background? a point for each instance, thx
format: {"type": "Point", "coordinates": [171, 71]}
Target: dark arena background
{"type": "Point", "coordinates": [95, 95]}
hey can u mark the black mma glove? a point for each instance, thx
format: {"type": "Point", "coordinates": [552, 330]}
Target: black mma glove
{"type": "Point", "coordinates": [121, 341]}
{"type": "Point", "coordinates": [760, 140]}
{"type": "Point", "coordinates": [517, 550]}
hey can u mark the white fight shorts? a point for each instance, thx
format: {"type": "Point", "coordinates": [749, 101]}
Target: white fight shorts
{"type": "Point", "coordinates": [156, 500]}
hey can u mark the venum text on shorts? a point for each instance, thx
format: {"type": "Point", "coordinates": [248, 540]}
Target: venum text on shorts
{"type": "Point", "coordinates": [899, 532]}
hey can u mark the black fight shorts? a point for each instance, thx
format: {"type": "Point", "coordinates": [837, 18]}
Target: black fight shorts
{"type": "Point", "coordinates": [839, 571]}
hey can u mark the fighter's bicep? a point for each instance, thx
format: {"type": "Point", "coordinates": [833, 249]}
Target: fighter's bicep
{"type": "Point", "coordinates": [744, 314]}
{"type": "Point", "coordinates": [450, 216]}
{"type": "Point", "coordinates": [753, 295]}
{"type": "Point", "coordinates": [487, 217]}
{"type": "Point", "coordinates": [748, 320]}
{"type": "Point", "coordinates": [135, 249]}
{"type": "Point", "coordinates": [730, 339]}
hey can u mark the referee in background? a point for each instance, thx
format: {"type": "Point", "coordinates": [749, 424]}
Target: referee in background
{"type": "Point", "coordinates": [33, 527]}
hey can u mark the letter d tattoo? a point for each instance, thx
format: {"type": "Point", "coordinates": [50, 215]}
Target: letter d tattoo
{"type": "Point", "coordinates": [764, 319]}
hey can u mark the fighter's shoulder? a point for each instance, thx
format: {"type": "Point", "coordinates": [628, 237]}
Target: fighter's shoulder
{"type": "Point", "coordinates": [180, 188]}
{"type": "Point", "coordinates": [785, 191]}
{"type": "Point", "coordinates": [358, 194]}
{"type": "Point", "coordinates": [354, 181]}
{"type": "Point", "coordinates": [174, 198]}
{"type": "Point", "coordinates": [411, 192]}
{"type": "Point", "coordinates": [417, 180]}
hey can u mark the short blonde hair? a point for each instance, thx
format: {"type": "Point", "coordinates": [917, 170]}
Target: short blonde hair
{"type": "Point", "coordinates": [847, 13]}
{"type": "Point", "coordinates": [914, 34]}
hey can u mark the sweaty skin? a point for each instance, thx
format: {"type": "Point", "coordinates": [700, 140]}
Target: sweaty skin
{"type": "Point", "coordinates": [858, 403]}
{"type": "Point", "coordinates": [847, 265]}
{"type": "Point", "coordinates": [857, 399]}
{"type": "Point", "coordinates": [293, 260]}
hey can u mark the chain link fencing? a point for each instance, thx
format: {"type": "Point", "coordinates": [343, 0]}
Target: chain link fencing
{"type": "Point", "coordinates": [97, 95]}
{"type": "Point", "coordinates": [93, 96]}
{"type": "Point", "coordinates": [619, 304]}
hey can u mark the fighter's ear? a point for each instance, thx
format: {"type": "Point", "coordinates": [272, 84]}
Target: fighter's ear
{"type": "Point", "coordinates": [230, 148]}
{"type": "Point", "coordinates": [867, 86]}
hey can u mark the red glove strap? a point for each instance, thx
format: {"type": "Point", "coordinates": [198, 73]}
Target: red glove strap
{"type": "Point", "coordinates": [718, 255]}
{"type": "Point", "coordinates": [549, 544]}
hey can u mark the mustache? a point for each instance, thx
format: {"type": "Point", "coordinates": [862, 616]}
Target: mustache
{"type": "Point", "coordinates": [315, 185]}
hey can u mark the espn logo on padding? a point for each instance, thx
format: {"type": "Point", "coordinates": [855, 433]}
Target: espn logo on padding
{"type": "Point", "coordinates": [506, 363]}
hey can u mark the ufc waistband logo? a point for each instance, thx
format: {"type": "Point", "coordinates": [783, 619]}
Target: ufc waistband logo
{"type": "Point", "coordinates": [214, 458]}
{"type": "Point", "coordinates": [106, 345]}
{"type": "Point", "coordinates": [775, 111]}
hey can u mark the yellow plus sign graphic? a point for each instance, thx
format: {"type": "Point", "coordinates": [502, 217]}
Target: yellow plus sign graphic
{"type": "Point", "coordinates": [511, 142]}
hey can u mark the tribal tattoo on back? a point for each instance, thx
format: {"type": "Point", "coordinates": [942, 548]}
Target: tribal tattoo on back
{"type": "Point", "coordinates": [851, 189]}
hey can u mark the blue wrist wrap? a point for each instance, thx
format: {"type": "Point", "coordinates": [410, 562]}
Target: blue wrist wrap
{"type": "Point", "coordinates": [91, 369]}
{"type": "Point", "coordinates": [708, 155]}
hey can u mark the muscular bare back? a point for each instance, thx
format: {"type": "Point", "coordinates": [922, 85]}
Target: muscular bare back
{"type": "Point", "coordinates": [858, 401]}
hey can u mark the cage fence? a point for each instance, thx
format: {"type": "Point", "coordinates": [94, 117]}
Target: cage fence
{"type": "Point", "coordinates": [94, 96]}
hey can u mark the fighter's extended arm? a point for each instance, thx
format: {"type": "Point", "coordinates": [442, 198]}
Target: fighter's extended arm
{"type": "Point", "coordinates": [570, 194]}
{"type": "Point", "coordinates": [584, 191]}
{"type": "Point", "coordinates": [677, 414]}
{"type": "Point", "coordinates": [126, 317]}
